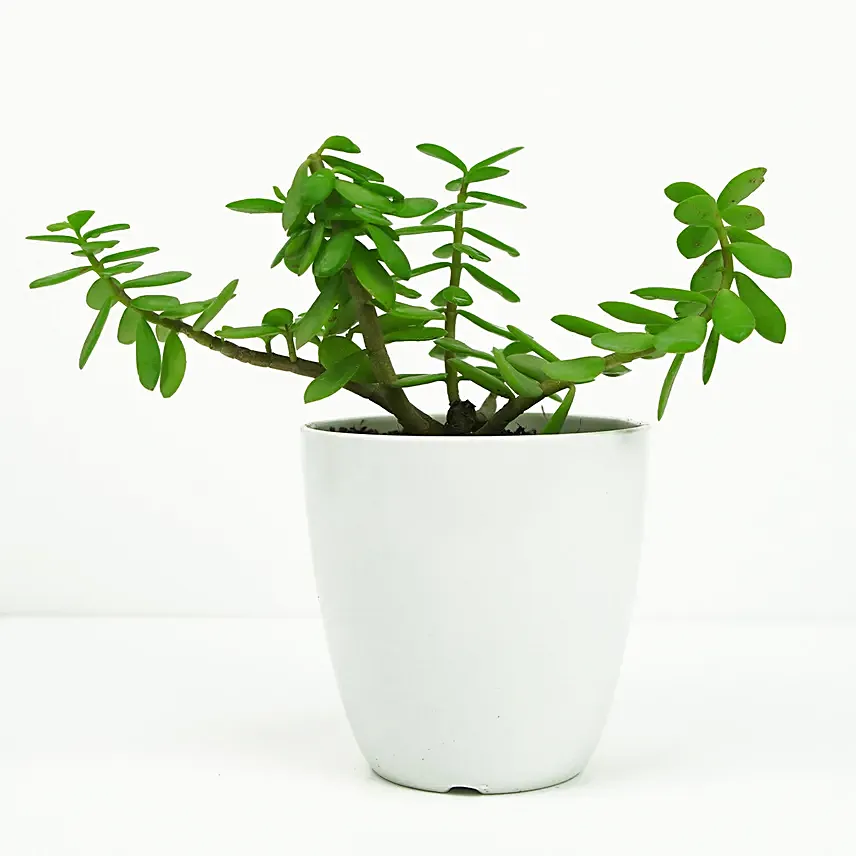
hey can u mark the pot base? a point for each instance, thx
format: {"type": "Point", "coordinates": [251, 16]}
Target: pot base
{"type": "Point", "coordinates": [438, 788]}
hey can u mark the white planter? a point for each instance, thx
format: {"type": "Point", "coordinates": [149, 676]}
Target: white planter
{"type": "Point", "coordinates": [476, 594]}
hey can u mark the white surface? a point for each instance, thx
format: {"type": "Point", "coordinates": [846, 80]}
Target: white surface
{"type": "Point", "coordinates": [468, 654]}
{"type": "Point", "coordinates": [120, 738]}
{"type": "Point", "coordinates": [115, 501]}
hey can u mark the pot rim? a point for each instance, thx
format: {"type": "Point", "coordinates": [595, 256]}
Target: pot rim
{"type": "Point", "coordinates": [612, 427]}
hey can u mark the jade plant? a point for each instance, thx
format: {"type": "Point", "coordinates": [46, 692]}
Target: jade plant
{"type": "Point", "coordinates": [343, 226]}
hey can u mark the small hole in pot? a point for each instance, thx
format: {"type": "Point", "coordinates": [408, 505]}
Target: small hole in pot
{"type": "Point", "coordinates": [463, 791]}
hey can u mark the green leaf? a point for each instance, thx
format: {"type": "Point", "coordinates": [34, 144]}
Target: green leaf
{"type": "Point", "coordinates": [623, 343]}
{"type": "Point", "coordinates": [574, 324]}
{"type": "Point", "coordinates": [688, 307]}
{"type": "Point", "coordinates": [162, 332]}
{"type": "Point", "coordinates": [464, 206]}
{"type": "Point", "coordinates": [497, 200]}
{"type": "Point", "coordinates": [579, 370]}
{"type": "Point", "coordinates": [319, 313]}
{"type": "Point", "coordinates": [155, 302]}
{"type": "Point", "coordinates": [428, 268]}
{"type": "Point", "coordinates": [442, 154]}
{"type": "Point", "coordinates": [710, 350]}
{"type": "Point", "coordinates": [279, 194]}
{"type": "Point", "coordinates": [334, 349]}
{"type": "Point", "coordinates": [485, 325]}
{"type": "Point", "coordinates": [313, 244]}
{"type": "Point", "coordinates": [423, 230]}
{"type": "Point", "coordinates": [339, 143]}
{"type": "Point", "coordinates": [415, 313]}
{"type": "Point", "coordinates": [259, 331]}
{"type": "Point", "coordinates": [371, 275]}
{"type": "Point", "coordinates": [408, 380]}
{"type": "Point", "coordinates": [633, 314]}
{"type": "Point", "coordinates": [95, 332]}
{"type": "Point", "coordinates": [681, 190]}
{"type": "Point", "coordinates": [452, 294]}
{"type": "Point", "coordinates": [472, 252]}
{"type": "Point", "coordinates": [437, 216]}
{"type": "Point", "coordinates": [281, 318]}
{"type": "Point", "coordinates": [455, 346]}
{"type": "Point", "coordinates": [103, 230]}
{"type": "Point", "coordinates": [616, 371]}
{"type": "Point", "coordinates": [743, 216]}
{"type": "Point", "coordinates": [682, 336]}
{"type": "Point", "coordinates": [656, 293]}
{"type": "Point", "coordinates": [480, 376]}
{"type": "Point", "coordinates": [533, 345]}
{"type": "Point", "coordinates": [99, 293]}
{"type": "Point", "coordinates": [216, 305]}
{"type": "Point", "coordinates": [55, 239]}
{"type": "Point", "coordinates": [94, 247]}
{"type": "Point", "coordinates": [334, 254]}
{"type": "Point", "coordinates": [79, 219]}
{"type": "Point", "coordinates": [123, 267]}
{"type": "Point", "coordinates": [519, 382]}
{"type": "Point", "coordinates": [763, 259]}
{"type": "Point", "coordinates": [414, 206]}
{"type": "Point", "coordinates": [363, 171]}
{"type": "Point", "coordinates": [530, 365]}
{"type": "Point", "coordinates": [390, 253]}
{"type": "Point", "coordinates": [369, 215]}
{"type": "Point", "coordinates": [668, 383]}
{"type": "Point", "coordinates": [708, 277]}
{"type": "Point", "coordinates": [148, 355]}
{"type": "Point", "coordinates": [489, 282]}
{"type": "Point", "coordinates": [174, 365]}
{"type": "Point", "coordinates": [515, 348]}
{"type": "Point", "coordinates": [414, 334]}
{"type": "Point", "coordinates": [292, 208]}
{"type": "Point", "coordinates": [318, 186]}
{"type": "Point", "coordinates": [385, 190]}
{"type": "Point", "coordinates": [359, 195]}
{"type": "Point", "coordinates": [58, 227]}
{"type": "Point", "coordinates": [490, 240]}
{"type": "Point", "coordinates": [557, 421]}
{"type": "Point", "coordinates": [167, 278]}
{"type": "Point", "coordinates": [696, 210]}
{"type": "Point", "coordinates": [127, 333]}
{"type": "Point", "coordinates": [256, 206]}
{"type": "Point", "coordinates": [740, 187]}
{"type": "Point", "coordinates": [62, 276]}
{"type": "Point", "coordinates": [769, 319]}
{"type": "Point", "coordinates": [128, 254]}
{"type": "Point", "coordinates": [494, 158]}
{"type": "Point", "coordinates": [185, 310]}
{"type": "Point", "coordinates": [743, 236]}
{"type": "Point", "coordinates": [333, 379]}
{"type": "Point", "coordinates": [732, 318]}
{"type": "Point", "coordinates": [484, 173]}
{"type": "Point", "coordinates": [695, 241]}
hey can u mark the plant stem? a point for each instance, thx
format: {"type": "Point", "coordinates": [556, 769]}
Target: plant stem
{"type": "Point", "coordinates": [412, 420]}
{"type": "Point", "coordinates": [452, 308]}
{"type": "Point", "coordinates": [263, 359]}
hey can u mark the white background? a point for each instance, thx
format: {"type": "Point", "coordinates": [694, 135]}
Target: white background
{"type": "Point", "coordinates": [115, 502]}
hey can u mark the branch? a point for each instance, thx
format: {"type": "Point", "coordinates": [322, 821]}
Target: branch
{"type": "Point", "coordinates": [263, 359]}
{"type": "Point", "coordinates": [412, 419]}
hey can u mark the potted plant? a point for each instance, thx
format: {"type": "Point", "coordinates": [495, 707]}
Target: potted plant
{"type": "Point", "coordinates": [475, 569]}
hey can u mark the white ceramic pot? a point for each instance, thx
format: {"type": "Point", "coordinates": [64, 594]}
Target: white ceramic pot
{"type": "Point", "coordinates": [476, 594]}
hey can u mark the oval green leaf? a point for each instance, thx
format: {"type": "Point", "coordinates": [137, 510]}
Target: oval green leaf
{"type": "Point", "coordinates": [390, 253]}
{"type": "Point", "coordinates": [95, 332]}
{"type": "Point", "coordinates": [682, 336]}
{"type": "Point", "coordinates": [681, 190]}
{"type": "Point", "coordinates": [740, 187]}
{"type": "Point", "coordinates": [668, 383]}
{"type": "Point", "coordinates": [696, 210]}
{"type": "Point", "coordinates": [580, 370]}
{"type": "Point", "coordinates": [256, 206]}
{"type": "Point", "coordinates": [148, 355]}
{"type": "Point", "coordinates": [695, 241]}
{"type": "Point", "coordinates": [763, 259]}
{"type": "Point", "coordinates": [743, 217]}
{"type": "Point", "coordinates": [732, 318]}
{"type": "Point", "coordinates": [575, 324]}
{"type": "Point", "coordinates": [633, 314]}
{"type": "Point", "coordinates": [127, 333]}
{"type": "Point", "coordinates": [174, 365]}
{"type": "Point", "coordinates": [489, 282]}
{"type": "Point", "coordinates": [623, 343]}
{"type": "Point", "coordinates": [519, 382]}
{"type": "Point", "coordinates": [769, 319]}
{"type": "Point", "coordinates": [443, 154]}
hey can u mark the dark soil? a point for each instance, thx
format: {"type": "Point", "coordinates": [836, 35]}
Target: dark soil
{"type": "Point", "coordinates": [462, 420]}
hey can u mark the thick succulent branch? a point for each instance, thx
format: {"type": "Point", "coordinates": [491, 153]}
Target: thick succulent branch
{"type": "Point", "coordinates": [412, 420]}
{"type": "Point", "coordinates": [263, 359]}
